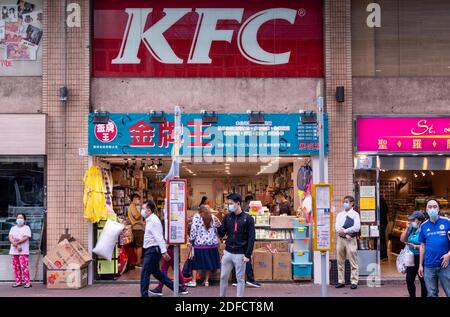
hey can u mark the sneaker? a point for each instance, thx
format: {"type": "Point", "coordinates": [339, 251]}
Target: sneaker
{"type": "Point", "coordinates": [191, 284]}
{"type": "Point", "coordinates": [16, 285]}
{"type": "Point", "coordinates": [253, 284]}
{"type": "Point", "coordinates": [156, 292]}
{"type": "Point", "coordinates": [206, 283]}
{"type": "Point", "coordinates": [340, 285]}
{"type": "Point", "coordinates": [27, 286]}
{"type": "Point", "coordinates": [183, 291]}
{"type": "Point", "coordinates": [234, 284]}
{"type": "Point", "coordinates": [354, 286]}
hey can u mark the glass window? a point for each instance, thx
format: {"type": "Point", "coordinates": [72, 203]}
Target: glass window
{"type": "Point", "coordinates": [412, 40]}
{"type": "Point", "coordinates": [21, 190]}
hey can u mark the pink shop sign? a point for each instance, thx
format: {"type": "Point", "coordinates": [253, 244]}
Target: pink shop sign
{"type": "Point", "coordinates": [407, 134]}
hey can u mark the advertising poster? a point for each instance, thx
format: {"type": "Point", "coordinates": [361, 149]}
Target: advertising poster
{"type": "Point", "coordinates": [323, 222]}
{"type": "Point", "coordinates": [21, 35]}
{"type": "Point", "coordinates": [177, 224]}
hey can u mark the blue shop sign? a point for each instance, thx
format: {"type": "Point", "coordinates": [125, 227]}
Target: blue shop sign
{"type": "Point", "coordinates": [282, 134]}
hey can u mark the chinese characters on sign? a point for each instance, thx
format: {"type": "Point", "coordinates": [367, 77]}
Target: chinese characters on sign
{"type": "Point", "coordinates": [403, 135]}
{"type": "Point", "coordinates": [177, 220]}
{"type": "Point", "coordinates": [106, 132]}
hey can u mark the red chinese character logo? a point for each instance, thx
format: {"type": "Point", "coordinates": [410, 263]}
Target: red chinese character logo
{"type": "Point", "coordinates": [198, 134]}
{"type": "Point", "coordinates": [166, 134]}
{"type": "Point", "coordinates": [106, 132]}
{"type": "Point", "coordinates": [142, 134]}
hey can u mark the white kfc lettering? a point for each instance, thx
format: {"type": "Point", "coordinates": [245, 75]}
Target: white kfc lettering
{"type": "Point", "coordinates": [205, 34]}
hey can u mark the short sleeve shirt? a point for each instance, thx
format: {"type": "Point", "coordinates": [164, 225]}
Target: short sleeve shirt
{"type": "Point", "coordinates": [435, 236]}
{"type": "Point", "coordinates": [18, 233]}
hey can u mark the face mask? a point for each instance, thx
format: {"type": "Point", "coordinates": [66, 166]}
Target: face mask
{"type": "Point", "coordinates": [433, 213]}
{"type": "Point", "coordinates": [143, 213]}
{"type": "Point", "coordinates": [414, 225]}
{"type": "Point", "coordinates": [346, 206]}
{"type": "Point", "coordinates": [20, 222]}
{"type": "Point", "coordinates": [231, 208]}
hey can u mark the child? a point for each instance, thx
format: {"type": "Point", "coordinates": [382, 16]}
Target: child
{"type": "Point", "coordinates": [19, 236]}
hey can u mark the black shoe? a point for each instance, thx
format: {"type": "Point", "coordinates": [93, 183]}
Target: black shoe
{"type": "Point", "coordinates": [340, 285]}
{"type": "Point", "coordinates": [183, 291]}
{"type": "Point", "coordinates": [156, 292]}
{"type": "Point", "coordinates": [354, 286]}
{"type": "Point", "coordinates": [253, 284]}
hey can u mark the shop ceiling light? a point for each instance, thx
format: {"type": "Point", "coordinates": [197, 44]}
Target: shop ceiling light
{"type": "Point", "coordinates": [156, 117]}
{"type": "Point", "coordinates": [256, 117]}
{"type": "Point", "coordinates": [432, 173]}
{"type": "Point", "coordinates": [423, 174]}
{"type": "Point", "coordinates": [210, 118]}
{"type": "Point", "coordinates": [100, 118]}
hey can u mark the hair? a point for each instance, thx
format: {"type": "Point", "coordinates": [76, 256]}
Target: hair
{"type": "Point", "coordinates": [22, 214]}
{"type": "Point", "coordinates": [135, 196]}
{"type": "Point", "coordinates": [248, 198]}
{"type": "Point", "coordinates": [203, 201]}
{"type": "Point", "coordinates": [206, 215]}
{"type": "Point", "coordinates": [235, 197]}
{"type": "Point", "coordinates": [430, 199]}
{"type": "Point", "coordinates": [350, 198]}
{"type": "Point", "coordinates": [280, 193]}
{"type": "Point", "coordinates": [150, 204]}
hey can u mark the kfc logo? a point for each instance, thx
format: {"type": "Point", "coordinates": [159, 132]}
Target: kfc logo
{"type": "Point", "coordinates": [206, 33]}
{"type": "Point", "coordinates": [106, 132]}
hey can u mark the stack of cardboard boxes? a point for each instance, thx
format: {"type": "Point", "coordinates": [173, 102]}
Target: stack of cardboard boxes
{"type": "Point", "coordinates": [67, 265]}
{"type": "Point", "coordinates": [272, 261]}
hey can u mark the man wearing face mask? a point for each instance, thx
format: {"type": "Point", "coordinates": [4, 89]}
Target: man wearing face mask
{"type": "Point", "coordinates": [435, 251]}
{"type": "Point", "coordinates": [154, 249]}
{"type": "Point", "coordinates": [347, 226]}
{"type": "Point", "coordinates": [239, 227]}
{"type": "Point", "coordinates": [137, 226]}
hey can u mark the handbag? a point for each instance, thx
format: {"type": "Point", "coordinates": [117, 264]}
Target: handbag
{"type": "Point", "coordinates": [404, 260]}
{"type": "Point", "coordinates": [187, 268]}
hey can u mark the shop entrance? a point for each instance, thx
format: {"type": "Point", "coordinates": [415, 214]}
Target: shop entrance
{"type": "Point", "coordinates": [259, 178]}
{"type": "Point", "coordinates": [404, 184]}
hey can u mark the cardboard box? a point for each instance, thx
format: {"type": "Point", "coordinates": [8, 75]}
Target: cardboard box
{"type": "Point", "coordinates": [280, 246]}
{"type": "Point", "coordinates": [282, 269]}
{"type": "Point", "coordinates": [66, 254]}
{"type": "Point", "coordinates": [67, 278]}
{"type": "Point", "coordinates": [281, 222]}
{"type": "Point", "coordinates": [262, 265]}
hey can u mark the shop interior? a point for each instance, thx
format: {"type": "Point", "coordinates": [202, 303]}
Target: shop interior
{"type": "Point", "coordinates": [260, 178]}
{"type": "Point", "coordinates": [405, 184]}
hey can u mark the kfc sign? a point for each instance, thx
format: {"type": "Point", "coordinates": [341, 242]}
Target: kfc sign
{"type": "Point", "coordinates": [226, 39]}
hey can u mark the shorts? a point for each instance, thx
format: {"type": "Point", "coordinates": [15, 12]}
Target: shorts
{"type": "Point", "coordinates": [138, 237]}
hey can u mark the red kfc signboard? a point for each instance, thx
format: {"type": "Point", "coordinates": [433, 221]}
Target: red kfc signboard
{"type": "Point", "coordinates": [226, 38]}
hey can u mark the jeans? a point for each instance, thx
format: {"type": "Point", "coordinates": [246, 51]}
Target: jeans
{"type": "Point", "coordinates": [248, 273]}
{"type": "Point", "coordinates": [150, 266]}
{"type": "Point", "coordinates": [229, 261]}
{"type": "Point", "coordinates": [434, 274]}
{"type": "Point", "coordinates": [411, 273]}
{"type": "Point", "coordinates": [383, 244]}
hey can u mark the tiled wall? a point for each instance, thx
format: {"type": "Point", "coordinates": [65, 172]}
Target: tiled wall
{"type": "Point", "coordinates": [65, 166]}
{"type": "Point", "coordinates": [338, 72]}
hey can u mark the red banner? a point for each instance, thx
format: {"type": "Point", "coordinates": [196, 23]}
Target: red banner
{"type": "Point", "coordinates": [226, 38]}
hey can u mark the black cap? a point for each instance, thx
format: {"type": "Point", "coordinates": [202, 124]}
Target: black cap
{"type": "Point", "coordinates": [416, 214]}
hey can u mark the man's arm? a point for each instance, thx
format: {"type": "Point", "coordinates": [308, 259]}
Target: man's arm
{"type": "Point", "coordinates": [251, 236]}
{"type": "Point", "coordinates": [222, 230]}
{"type": "Point", "coordinates": [356, 225]}
{"type": "Point", "coordinates": [156, 228]}
{"type": "Point", "coordinates": [135, 213]}
{"type": "Point", "coordinates": [337, 227]}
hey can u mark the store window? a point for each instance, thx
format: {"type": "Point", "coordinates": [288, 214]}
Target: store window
{"type": "Point", "coordinates": [21, 190]}
{"type": "Point", "coordinates": [400, 38]}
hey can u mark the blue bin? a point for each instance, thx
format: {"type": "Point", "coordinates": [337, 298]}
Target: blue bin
{"type": "Point", "coordinates": [301, 256]}
{"type": "Point", "coordinates": [297, 223]}
{"type": "Point", "coordinates": [301, 232]}
{"type": "Point", "coordinates": [302, 269]}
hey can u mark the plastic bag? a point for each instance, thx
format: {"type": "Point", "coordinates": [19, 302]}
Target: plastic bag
{"type": "Point", "coordinates": [108, 239]}
{"type": "Point", "coordinates": [404, 260]}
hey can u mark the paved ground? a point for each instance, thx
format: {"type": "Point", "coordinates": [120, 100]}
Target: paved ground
{"type": "Point", "coordinates": [267, 290]}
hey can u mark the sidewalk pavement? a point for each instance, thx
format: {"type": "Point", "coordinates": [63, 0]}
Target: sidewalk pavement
{"type": "Point", "coordinates": [114, 289]}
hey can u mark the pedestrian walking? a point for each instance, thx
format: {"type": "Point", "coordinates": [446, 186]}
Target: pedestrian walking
{"type": "Point", "coordinates": [205, 244]}
{"type": "Point", "coordinates": [347, 226]}
{"type": "Point", "coordinates": [166, 264]}
{"type": "Point", "coordinates": [154, 249]}
{"type": "Point", "coordinates": [239, 227]}
{"type": "Point", "coordinates": [19, 236]}
{"type": "Point", "coordinates": [434, 238]}
{"type": "Point", "coordinates": [411, 237]}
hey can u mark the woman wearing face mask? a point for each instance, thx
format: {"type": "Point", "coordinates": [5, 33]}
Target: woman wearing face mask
{"type": "Point", "coordinates": [411, 237]}
{"type": "Point", "coordinates": [19, 236]}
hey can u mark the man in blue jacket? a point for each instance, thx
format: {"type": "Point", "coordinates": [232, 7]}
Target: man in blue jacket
{"type": "Point", "coordinates": [435, 251]}
{"type": "Point", "coordinates": [239, 227]}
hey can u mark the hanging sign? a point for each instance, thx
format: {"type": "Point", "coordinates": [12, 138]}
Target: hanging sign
{"type": "Point", "coordinates": [323, 218]}
{"type": "Point", "coordinates": [367, 215]}
{"type": "Point", "coordinates": [177, 211]}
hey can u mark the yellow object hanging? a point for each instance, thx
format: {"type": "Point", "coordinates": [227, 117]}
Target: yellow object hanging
{"type": "Point", "coordinates": [94, 200]}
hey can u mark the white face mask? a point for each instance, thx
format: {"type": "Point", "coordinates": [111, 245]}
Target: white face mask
{"type": "Point", "coordinates": [144, 213]}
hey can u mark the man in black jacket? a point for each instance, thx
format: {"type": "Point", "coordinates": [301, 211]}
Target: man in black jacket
{"type": "Point", "coordinates": [239, 228]}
